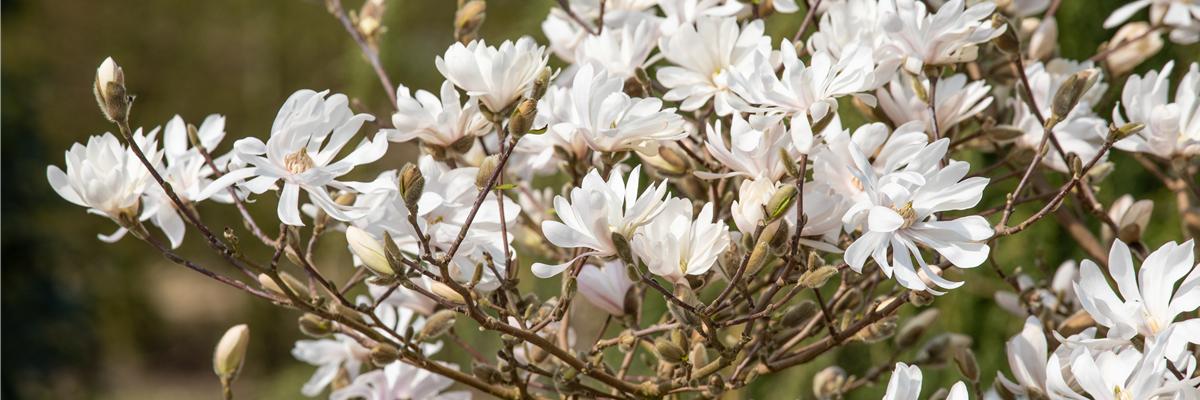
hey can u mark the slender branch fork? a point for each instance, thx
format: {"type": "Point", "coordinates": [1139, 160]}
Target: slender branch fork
{"type": "Point", "coordinates": [335, 6]}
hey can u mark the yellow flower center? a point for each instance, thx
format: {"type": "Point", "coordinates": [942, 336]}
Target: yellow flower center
{"type": "Point", "coordinates": [1121, 394]}
{"type": "Point", "coordinates": [1153, 323]}
{"type": "Point", "coordinates": [857, 183]}
{"type": "Point", "coordinates": [299, 161]}
{"type": "Point", "coordinates": [907, 213]}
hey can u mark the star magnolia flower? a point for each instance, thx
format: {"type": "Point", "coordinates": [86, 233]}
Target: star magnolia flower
{"type": "Point", "coordinates": [306, 120]}
{"type": "Point", "coordinates": [823, 207]}
{"type": "Point", "coordinates": [188, 173]}
{"type": "Point", "coordinates": [812, 89]}
{"type": "Point", "coordinates": [106, 177]}
{"type": "Point", "coordinates": [753, 152]}
{"type": "Point", "coordinates": [704, 54]}
{"type": "Point", "coordinates": [438, 123]}
{"type": "Point", "coordinates": [546, 152]}
{"type": "Point", "coordinates": [1182, 16]}
{"type": "Point", "coordinates": [1128, 374]}
{"type": "Point", "coordinates": [905, 384]}
{"type": "Point", "coordinates": [956, 99]}
{"type": "Point", "coordinates": [598, 210]}
{"type": "Point", "coordinates": [1082, 132]}
{"type": "Point", "coordinates": [1172, 129]}
{"type": "Point", "coordinates": [948, 37]}
{"type": "Point", "coordinates": [619, 50]}
{"type": "Point", "coordinates": [674, 245]}
{"type": "Point", "coordinates": [610, 121]}
{"type": "Point", "coordinates": [1036, 375]}
{"type": "Point", "coordinates": [1148, 307]}
{"type": "Point", "coordinates": [497, 77]}
{"type": "Point", "coordinates": [889, 152]}
{"type": "Point", "coordinates": [681, 13]}
{"type": "Point", "coordinates": [401, 381]}
{"type": "Point", "coordinates": [605, 287]}
{"type": "Point", "coordinates": [396, 317]}
{"type": "Point", "coordinates": [330, 354]}
{"type": "Point", "coordinates": [851, 21]}
{"type": "Point", "coordinates": [899, 213]}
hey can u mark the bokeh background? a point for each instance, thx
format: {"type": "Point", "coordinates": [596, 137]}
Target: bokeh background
{"type": "Point", "coordinates": [87, 320]}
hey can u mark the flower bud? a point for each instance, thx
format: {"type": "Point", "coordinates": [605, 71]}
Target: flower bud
{"type": "Point", "coordinates": [964, 359]}
{"type": "Point", "coordinates": [698, 356]}
{"type": "Point", "coordinates": [312, 325]}
{"type": "Point", "coordinates": [918, 88]}
{"type": "Point", "coordinates": [851, 300]}
{"type": "Point", "coordinates": [1007, 42]}
{"type": "Point", "coordinates": [829, 382]}
{"type": "Point", "coordinates": [412, 186]}
{"type": "Point", "coordinates": [669, 352]}
{"type": "Point", "coordinates": [297, 287]}
{"type": "Point", "coordinates": [668, 162]}
{"type": "Point", "coordinates": [1127, 130]}
{"type": "Point", "coordinates": [912, 329]}
{"type": "Point", "coordinates": [877, 332]}
{"type": "Point", "coordinates": [487, 373]}
{"type": "Point", "coordinates": [623, 250]}
{"type": "Point", "coordinates": [447, 292]}
{"type": "Point", "coordinates": [1004, 133]}
{"type": "Point", "coordinates": [230, 352]}
{"type": "Point", "coordinates": [937, 351]}
{"type": "Point", "coordinates": [789, 164]}
{"type": "Point", "coordinates": [347, 312]}
{"type": "Point", "coordinates": [522, 118]}
{"type": "Point", "coordinates": [570, 287]}
{"type": "Point", "coordinates": [110, 91]}
{"type": "Point", "coordinates": [799, 314]}
{"type": "Point", "coordinates": [1044, 41]}
{"type": "Point", "coordinates": [439, 323]}
{"type": "Point", "coordinates": [627, 341]}
{"type": "Point", "coordinates": [816, 278]}
{"type": "Point", "coordinates": [819, 126]}
{"type": "Point", "coordinates": [758, 259]}
{"type": "Point", "coordinates": [486, 169]}
{"type": "Point", "coordinates": [1002, 391]}
{"type": "Point", "coordinates": [1076, 323]}
{"type": "Point", "coordinates": [729, 263]}
{"type": "Point", "coordinates": [687, 318]}
{"type": "Point", "coordinates": [541, 83]}
{"type": "Point", "coordinates": [384, 354]}
{"type": "Point", "coordinates": [468, 19]}
{"type": "Point", "coordinates": [368, 250]}
{"type": "Point", "coordinates": [1070, 92]}
{"type": "Point", "coordinates": [369, 21]}
{"type": "Point", "coordinates": [1075, 165]}
{"type": "Point", "coordinates": [395, 258]}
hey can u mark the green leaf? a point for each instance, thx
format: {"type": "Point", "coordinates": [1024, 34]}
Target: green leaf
{"type": "Point", "coordinates": [505, 186]}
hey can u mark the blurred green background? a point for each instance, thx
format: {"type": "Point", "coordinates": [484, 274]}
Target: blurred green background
{"type": "Point", "coordinates": [87, 320]}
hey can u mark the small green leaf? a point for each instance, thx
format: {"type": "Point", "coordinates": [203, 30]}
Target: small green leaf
{"type": "Point", "coordinates": [505, 186]}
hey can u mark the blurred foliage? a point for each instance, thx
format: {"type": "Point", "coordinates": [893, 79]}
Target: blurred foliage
{"type": "Point", "coordinates": [89, 320]}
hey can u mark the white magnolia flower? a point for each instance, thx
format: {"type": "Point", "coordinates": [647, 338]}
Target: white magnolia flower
{"type": "Point", "coordinates": [1172, 129]}
{"type": "Point", "coordinates": [812, 89]}
{"type": "Point", "coordinates": [680, 13]}
{"type": "Point", "coordinates": [1131, 218]}
{"type": "Point", "coordinates": [605, 286]}
{"type": "Point", "coordinates": [1182, 16]}
{"type": "Point", "coordinates": [609, 120]}
{"type": "Point", "coordinates": [888, 152]}
{"type": "Point", "coordinates": [1144, 42]}
{"type": "Point", "coordinates": [1038, 373]}
{"type": "Point", "coordinates": [401, 381]}
{"type": "Point", "coordinates": [106, 177]}
{"type": "Point", "coordinates": [948, 37]}
{"type": "Point", "coordinates": [330, 354]}
{"type": "Point", "coordinates": [899, 213]}
{"type": "Point", "coordinates": [436, 122]}
{"type": "Point", "coordinates": [188, 173]}
{"type": "Point", "coordinates": [851, 21]}
{"type": "Point", "coordinates": [1082, 132]}
{"type": "Point", "coordinates": [1127, 374]}
{"type": "Point", "coordinates": [823, 208]}
{"type": "Point", "coordinates": [1148, 307]}
{"type": "Point", "coordinates": [598, 210]}
{"type": "Point", "coordinates": [752, 152]}
{"type": "Point", "coordinates": [620, 50]}
{"type": "Point", "coordinates": [674, 244]}
{"type": "Point", "coordinates": [704, 55]}
{"type": "Point", "coordinates": [905, 384]}
{"type": "Point", "coordinates": [956, 100]}
{"type": "Point", "coordinates": [545, 153]}
{"type": "Point", "coordinates": [305, 122]}
{"type": "Point", "coordinates": [497, 77]}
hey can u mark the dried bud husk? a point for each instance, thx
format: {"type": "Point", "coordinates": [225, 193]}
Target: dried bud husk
{"type": "Point", "coordinates": [1007, 42]}
{"type": "Point", "coordinates": [758, 259]}
{"type": "Point", "coordinates": [468, 19]}
{"type": "Point", "coordinates": [231, 352]}
{"type": "Point", "coordinates": [816, 278]}
{"type": "Point", "coordinates": [312, 325]}
{"type": "Point", "coordinates": [437, 324]}
{"type": "Point", "coordinates": [937, 351]}
{"type": "Point", "coordinates": [623, 250]}
{"type": "Point", "coordinates": [964, 359]}
{"type": "Point", "coordinates": [447, 292]}
{"type": "Point", "coordinates": [570, 287]}
{"type": "Point", "coordinates": [687, 318]}
{"type": "Point", "coordinates": [370, 251]}
{"type": "Point", "coordinates": [627, 341]}
{"type": "Point", "coordinates": [412, 186]}
{"type": "Point", "coordinates": [669, 352]}
{"type": "Point", "coordinates": [849, 301]}
{"type": "Point", "coordinates": [522, 118]}
{"type": "Point", "coordinates": [1127, 130]}
{"type": "Point", "coordinates": [799, 313]}
{"type": "Point", "coordinates": [1002, 391]}
{"type": "Point", "coordinates": [912, 330]}
{"type": "Point", "coordinates": [486, 169]}
{"type": "Point", "coordinates": [829, 382]}
{"type": "Point", "coordinates": [486, 373]}
{"type": "Point", "coordinates": [110, 91]}
{"type": "Point", "coordinates": [384, 354]}
{"type": "Point", "coordinates": [819, 126]}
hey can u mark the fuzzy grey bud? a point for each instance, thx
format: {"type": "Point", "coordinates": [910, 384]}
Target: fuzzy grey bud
{"type": "Point", "coordinates": [937, 351]}
{"type": "Point", "coordinates": [487, 373]}
{"type": "Point", "coordinates": [669, 352]}
{"type": "Point", "coordinates": [315, 326]}
{"type": "Point", "coordinates": [522, 118]}
{"type": "Point", "coordinates": [110, 91]}
{"type": "Point", "coordinates": [623, 250]}
{"type": "Point", "coordinates": [816, 278]}
{"type": "Point", "coordinates": [799, 314]}
{"type": "Point", "coordinates": [964, 359]}
{"type": "Point", "coordinates": [541, 84]}
{"type": "Point", "coordinates": [570, 287]}
{"type": "Point", "coordinates": [412, 186]}
{"type": "Point", "coordinates": [687, 318]}
{"type": "Point", "coordinates": [829, 382]}
{"type": "Point", "coordinates": [486, 169]}
{"type": "Point", "coordinates": [789, 163]}
{"type": "Point", "coordinates": [439, 323]}
{"type": "Point", "coordinates": [758, 259]}
{"type": "Point", "coordinates": [383, 354]}
{"type": "Point", "coordinates": [627, 341]}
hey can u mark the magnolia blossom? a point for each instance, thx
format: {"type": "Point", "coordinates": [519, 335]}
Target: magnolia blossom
{"type": "Point", "coordinates": [811, 89]}
{"type": "Point", "coordinates": [330, 354]}
{"type": "Point", "coordinates": [888, 152]}
{"type": "Point", "coordinates": [681, 13]}
{"type": "Point", "coordinates": [704, 55]}
{"type": "Point", "coordinates": [905, 384]}
{"type": "Point", "coordinates": [1131, 218]}
{"type": "Point", "coordinates": [1038, 374]}
{"type": "Point", "coordinates": [948, 37]}
{"type": "Point", "coordinates": [497, 77]}
{"type": "Point", "coordinates": [620, 50]}
{"type": "Point", "coordinates": [1144, 42]}
{"type": "Point", "coordinates": [1081, 132]}
{"type": "Point", "coordinates": [438, 123]}
{"type": "Point", "coordinates": [1182, 16]}
{"type": "Point", "coordinates": [1148, 307]}
{"type": "Point", "coordinates": [106, 177]}
{"type": "Point", "coordinates": [610, 121]}
{"type": "Point", "coordinates": [852, 21]}
{"type": "Point", "coordinates": [674, 244]}
{"type": "Point", "coordinates": [597, 211]}
{"type": "Point", "coordinates": [545, 153]}
{"type": "Point", "coordinates": [752, 152]}
{"type": "Point", "coordinates": [899, 213]}
{"type": "Point", "coordinates": [401, 381]}
{"type": "Point", "coordinates": [605, 286]}
{"type": "Point", "coordinates": [1128, 374]}
{"type": "Point", "coordinates": [956, 100]}
{"type": "Point", "coordinates": [1172, 129]}
{"type": "Point", "coordinates": [188, 173]}
{"type": "Point", "coordinates": [306, 120]}
{"type": "Point", "coordinates": [823, 208]}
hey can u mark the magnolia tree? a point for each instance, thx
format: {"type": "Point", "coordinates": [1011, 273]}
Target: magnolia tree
{"type": "Point", "coordinates": [706, 164]}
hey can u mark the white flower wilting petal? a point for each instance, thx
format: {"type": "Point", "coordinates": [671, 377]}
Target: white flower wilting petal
{"type": "Point", "coordinates": [1149, 301]}
{"type": "Point", "coordinates": [436, 122]}
{"type": "Point", "coordinates": [899, 213]}
{"type": "Point", "coordinates": [956, 100]}
{"type": "Point", "coordinates": [106, 177]}
{"type": "Point", "coordinates": [703, 56]}
{"type": "Point", "coordinates": [812, 89]}
{"type": "Point", "coordinates": [609, 120]}
{"type": "Point", "coordinates": [596, 211]}
{"type": "Point", "coordinates": [948, 37]}
{"type": "Point", "coordinates": [474, 67]}
{"type": "Point", "coordinates": [605, 286]}
{"type": "Point", "coordinates": [674, 244]}
{"type": "Point", "coordinates": [1172, 129]}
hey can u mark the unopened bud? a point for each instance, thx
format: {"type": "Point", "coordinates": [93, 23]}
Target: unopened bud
{"type": "Point", "coordinates": [231, 352]}
{"type": "Point", "coordinates": [623, 250]}
{"type": "Point", "coordinates": [438, 324]}
{"type": "Point", "coordinates": [789, 164]}
{"type": "Point", "coordinates": [758, 259]}
{"type": "Point", "coordinates": [395, 259]}
{"type": "Point", "coordinates": [851, 300]}
{"type": "Point", "coordinates": [372, 254]}
{"type": "Point", "coordinates": [829, 382]}
{"type": "Point", "coordinates": [293, 238]}
{"type": "Point", "coordinates": [816, 278]}
{"type": "Point", "coordinates": [669, 352]}
{"type": "Point", "coordinates": [312, 325]}
{"type": "Point", "coordinates": [1004, 133]}
{"type": "Point", "coordinates": [468, 19]}
{"type": "Point", "coordinates": [522, 118]}
{"type": "Point", "coordinates": [729, 263]}
{"type": "Point", "coordinates": [669, 162]}
{"type": "Point", "coordinates": [1127, 130]}
{"type": "Point", "coordinates": [487, 373]}
{"type": "Point", "coordinates": [699, 356]}
{"type": "Point", "coordinates": [918, 88]}
{"type": "Point", "coordinates": [914, 328]}
{"type": "Point", "coordinates": [967, 365]}
{"type": "Point", "coordinates": [447, 292]}
{"type": "Point", "coordinates": [819, 126]}
{"type": "Point", "coordinates": [1007, 42]}
{"type": "Point", "coordinates": [384, 354]}
{"type": "Point", "coordinates": [877, 332]}
{"type": "Point", "coordinates": [110, 91]}
{"type": "Point", "coordinates": [799, 314]}
{"type": "Point", "coordinates": [779, 240]}
{"type": "Point", "coordinates": [1002, 391]}
{"type": "Point", "coordinates": [292, 283]}
{"type": "Point", "coordinates": [1071, 91]}
{"type": "Point", "coordinates": [687, 318]}
{"type": "Point", "coordinates": [412, 186]}
{"type": "Point", "coordinates": [937, 351]}
{"type": "Point", "coordinates": [347, 312]}
{"type": "Point", "coordinates": [486, 169]}
{"type": "Point", "coordinates": [1075, 164]}
{"type": "Point", "coordinates": [627, 341]}
{"type": "Point", "coordinates": [570, 287]}
{"type": "Point", "coordinates": [541, 83]}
